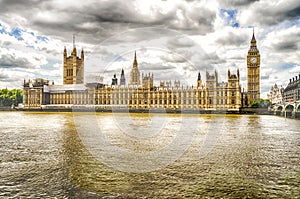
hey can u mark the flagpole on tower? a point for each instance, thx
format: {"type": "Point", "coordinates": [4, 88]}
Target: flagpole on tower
{"type": "Point", "coordinates": [73, 40]}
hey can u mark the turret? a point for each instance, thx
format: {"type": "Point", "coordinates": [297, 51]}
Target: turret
{"type": "Point", "coordinates": [135, 61]}
{"type": "Point", "coordinates": [122, 78]}
{"type": "Point", "coordinates": [135, 74]}
{"type": "Point", "coordinates": [216, 76]}
{"type": "Point", "coordinates": [199, 81]}
{"type": "Point", "coordinates": [65, 51]}
{"type": "Point", "coordinates": [65, 54]}
{"type": "Point", "coordinates": [82, 54]}
{"type": "Point", "coordinates": [114, 80]}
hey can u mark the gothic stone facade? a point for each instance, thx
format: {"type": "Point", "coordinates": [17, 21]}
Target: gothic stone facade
{"type": "Point", "coordinates": [73, 67]}
{"type": "Point", "coordinates": [276, 95]}
{"type": "Point", "coordinates": [144, 95]}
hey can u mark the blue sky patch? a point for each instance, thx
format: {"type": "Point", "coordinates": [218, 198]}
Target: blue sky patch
{"type": "Point", "coordinates": [1, 28]}
{"type": "Point", "coordinates": [229, 17]}
{"type": "Point", "coordinates": [42, 38]}
{"type": "Point", "coordinates": [286, 66]}
{"type": "Point", "coordinates": [17, 33]}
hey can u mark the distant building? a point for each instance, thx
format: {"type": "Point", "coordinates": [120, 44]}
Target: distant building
{"type": "Point", "coordinates": [276, 95]}
{"type": "Point", "coordinates": [141, 93]}
{"type": "Point", "coordinates": [122, 79]}
{"type": "Point", "coordinates": [225, 95]}
{"type": "Point", "coordinates": [292, 91]}
{"type": "Point", "coordinates": [213, 96]}
{"type": "Point", "coordinates": [199, 80]}
{"type": "Point", "coordinates": [35, 94]}
{"type": "Point", "coordinates": [114, 80]}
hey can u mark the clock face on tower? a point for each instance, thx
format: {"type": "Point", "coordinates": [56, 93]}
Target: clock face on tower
{"type": "Point", "coordinates": [253, 60]}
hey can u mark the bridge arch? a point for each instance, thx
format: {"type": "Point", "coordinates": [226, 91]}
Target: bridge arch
{"type": "Point", "coordinates": [298, 108]}
{"type": "Point", "coordinates": [279, 108]}
{"type": "Point", "coordinates": [297, 113]}
{"type": "Point", "coordinates": [289, 107]}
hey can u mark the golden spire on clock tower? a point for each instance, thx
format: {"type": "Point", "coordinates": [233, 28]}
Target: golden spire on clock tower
{"type": "Point", "coordinates": [253, 71]}
{"type": "Point", "coordinates": [253, 40]}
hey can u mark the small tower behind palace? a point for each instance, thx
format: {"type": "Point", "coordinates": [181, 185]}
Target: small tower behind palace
{"type": "Point", "coordinates": [253, 71]}
{"type": "Point", "coordinates": [199, 81]}
{"type": "Point", "coordinates": [135, 73]}
{"type": "Point", "coordinates": [114, 80]}
{"type": "Point", "coordinates": [147, 80]}
{"type": "Point", "coordinates": [234, 97]}
{"type": "Point", "coordinates": [73, 67]}
{"type": "Point", "coordinates": [122, 78]}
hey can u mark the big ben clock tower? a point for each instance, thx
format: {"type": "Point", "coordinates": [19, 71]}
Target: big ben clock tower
{"type": "Point", "coordinates": [253, 71]}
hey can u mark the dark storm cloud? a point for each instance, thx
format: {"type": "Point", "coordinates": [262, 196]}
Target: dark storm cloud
{"type": "Point", "coordinates": [11, 61]}
{"type": "Point", "coordinates": [237, 3]}
{"type": "Point", "coordinates": [286, 47]}
{"type": "Point", "coordinates": [264, 13]}
{"type": "Point", "coordinates": [293, 13]}
{"type": "Point", "coordinates": [210, 59]}
{"type": "Point", "coordinates": [5, 43]}
{"type": "Point", "coordinates": [180, 42]}
{"type": "Point", "coordinates": [232, 39]}
{"type": "Point", "coordinates": [133, 36]}
{"type": "Point", "coordinates": [13, 4]}
{"type": "Point", "coordinates": [96, 21]}
{"type": "Point", "coordinates": [121, 12]}
{"type": "Point", "coordinates": [288, 43]}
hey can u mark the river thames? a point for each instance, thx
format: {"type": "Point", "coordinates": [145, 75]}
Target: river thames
{"type": "Point", "coordinates": [119, 155]}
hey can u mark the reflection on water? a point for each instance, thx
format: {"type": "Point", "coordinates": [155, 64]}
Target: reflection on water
{"type": "Point", "coordinates": [43, 155]}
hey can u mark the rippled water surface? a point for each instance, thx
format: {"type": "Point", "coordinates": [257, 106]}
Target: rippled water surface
{"type": "Point", "coordinates": [110, 155]}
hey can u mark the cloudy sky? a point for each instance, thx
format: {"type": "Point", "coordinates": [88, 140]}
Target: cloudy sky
{"type": "Point", "coordinates": [174, 39]}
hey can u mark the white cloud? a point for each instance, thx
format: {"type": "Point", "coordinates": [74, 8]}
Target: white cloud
{"type": "Point", "coordinates": [10, 58]}
{"type": "Point", "coordinates": [295, 70]}
{"type": "Point", "coordinates": [107, 29]}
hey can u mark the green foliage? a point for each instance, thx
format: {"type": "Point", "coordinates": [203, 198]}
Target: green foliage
{"type": "Point", "coordinates": [255, 104]}
{"type": "Point", "coordinates": [262, 103]}
{"type": "Point", "coordinates": [11, 97]}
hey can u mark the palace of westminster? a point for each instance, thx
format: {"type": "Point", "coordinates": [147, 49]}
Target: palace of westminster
{"type": "Point", "coordinates": [141, 93]}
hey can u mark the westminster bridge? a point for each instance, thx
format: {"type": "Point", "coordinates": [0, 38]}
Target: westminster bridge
{"type": "Point", "coordinates": [287, 109]}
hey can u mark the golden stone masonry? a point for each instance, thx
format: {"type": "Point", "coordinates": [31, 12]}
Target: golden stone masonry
{"type": "Point", "coordinates": [141, 93]}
